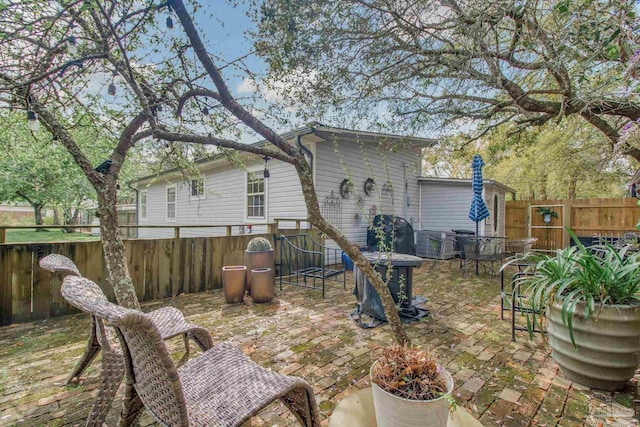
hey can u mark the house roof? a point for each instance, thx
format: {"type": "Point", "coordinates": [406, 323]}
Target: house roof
{"type": "Point", "coordinates": [463, 181]}
{"type": "Point", "coordinates": [326, 133]}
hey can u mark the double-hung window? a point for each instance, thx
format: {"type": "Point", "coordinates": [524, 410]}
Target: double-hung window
{"type": "Point", "coordinates": [143, 204]}
{"type": "Point", "coordinates": [197, 188]}
{"type": "Point", "coordinates": [171, 202]}
{"type": "Point", "coordinates": [255, 195]}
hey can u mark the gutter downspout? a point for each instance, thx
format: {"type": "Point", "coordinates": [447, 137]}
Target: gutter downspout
{"type": "Point", "coordinates": [305, 149]}
{"type": "Point", "coordinates": [419, 205]}
{"type": "Point", "coordinates": [137, 206]}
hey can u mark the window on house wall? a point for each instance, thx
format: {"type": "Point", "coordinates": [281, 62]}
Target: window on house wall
{"type": "Point", "coordinates": [143, 204]}
{"type": "Point", "coordinates": [495, 212]}
{"type": "Point", "coordinates": [255, 195]}
{"type": "Point", "coordinates": [171, 203]}
{"type": "Point", "coordinates": [197, 188]}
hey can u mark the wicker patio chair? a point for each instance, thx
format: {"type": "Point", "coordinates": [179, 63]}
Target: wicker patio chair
{"type": "Point", "coordinates": [221, 387]}
{"type": "Point", "coordinates": [170, 321]}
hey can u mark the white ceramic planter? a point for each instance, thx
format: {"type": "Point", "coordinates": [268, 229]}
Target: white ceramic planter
{"type": "Point", "coordinates": [394, 411]}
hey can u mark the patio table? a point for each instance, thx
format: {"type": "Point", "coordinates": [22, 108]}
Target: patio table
{"type": "Point", "coordinates": [357, 411]}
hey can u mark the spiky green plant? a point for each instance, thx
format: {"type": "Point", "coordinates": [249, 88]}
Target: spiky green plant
{"type": "Point", "coordinates": [598, 274]}
{"type": "Point", "coordinates": [259, 244]}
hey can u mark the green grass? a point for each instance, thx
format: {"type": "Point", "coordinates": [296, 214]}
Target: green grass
{"type": "Point", "coordinates": [33, 236]}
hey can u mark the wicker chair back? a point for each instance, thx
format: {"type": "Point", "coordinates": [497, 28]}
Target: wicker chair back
{"type": "Point", "coordinates": [57, 263]}
{"type": "Point", "coordinates": [154, 373]}
{"type": "Point", "coordinates": [146, 355]}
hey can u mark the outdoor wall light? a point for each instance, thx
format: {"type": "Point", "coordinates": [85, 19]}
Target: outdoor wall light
{"type": "Point", "coordinates": [266, 167]}
{"type": "Point", "coordinates": [111, 90]}
{"type": "Point", "coordinates": [169, 20]}
{"type": "Point", "coordinates": [32, 121]}
{"type": "Point", "coordinates": [205, 111]}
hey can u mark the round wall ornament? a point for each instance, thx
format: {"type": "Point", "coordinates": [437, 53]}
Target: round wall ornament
{"type": "Point", "coordinates": [369, 186]}
{"type": "Point", "coordinates": [346, 188]}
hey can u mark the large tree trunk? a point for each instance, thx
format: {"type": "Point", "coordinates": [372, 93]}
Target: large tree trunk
{"type": "Point", "coordinates": [352, 250]}
{"type": "Point", "coordinates": [114, 253]}
{"type": "Point", "coordinates": [37, 212]}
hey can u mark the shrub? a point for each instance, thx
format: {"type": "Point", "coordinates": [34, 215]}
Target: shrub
{"type": "Point", "coordinates": [259, 244]}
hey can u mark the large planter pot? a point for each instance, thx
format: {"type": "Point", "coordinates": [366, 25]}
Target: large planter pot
{"type": "Point", "coordinates": [263, 285]}
{"type": "Point", "coordinates": [234, 283]}
{"type": "Point", "coordinates": [258, 259]}
{"type": "Point", "coordinates": [608, 344]}
{"type": "Point", "coordinates": [394, 411]}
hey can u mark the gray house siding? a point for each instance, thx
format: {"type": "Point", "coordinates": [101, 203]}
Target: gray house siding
{"type": "Point", "coordinates": [224, 202]}
{"type": "Point", "coordinates": [359, 162]}
{"type": "Point", "coordinates": [445, 206]}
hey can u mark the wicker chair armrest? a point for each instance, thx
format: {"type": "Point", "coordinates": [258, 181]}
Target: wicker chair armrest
{"type": "Point", "coordinates": [171, 322]}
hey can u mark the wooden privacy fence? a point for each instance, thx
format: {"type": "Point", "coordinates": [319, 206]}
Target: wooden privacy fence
{"type": "Point", "coordinates": [586, 217]}
{"type": "Point", "coordinates": [160, 268]}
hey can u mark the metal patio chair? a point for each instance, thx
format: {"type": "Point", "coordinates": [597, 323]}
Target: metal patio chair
{"type": "Point", "coordinates": [487, 251]}
{"type": "Point", "coordinates": [221, 387]}
{"type": "Point", "coordinates": [170, 321]}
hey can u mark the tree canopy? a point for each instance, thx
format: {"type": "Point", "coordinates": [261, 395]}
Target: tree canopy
{"type": "Point", "coordinates": [460, 64]}
{"type": "Point", "coordinates": [63, 60]}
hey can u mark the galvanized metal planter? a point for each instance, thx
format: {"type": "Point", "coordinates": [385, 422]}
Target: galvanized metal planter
{"type": "Point", "coordinates": [608, 344]}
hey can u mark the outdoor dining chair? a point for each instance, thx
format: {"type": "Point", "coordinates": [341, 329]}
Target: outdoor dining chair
{"type": "Point", "coordinates": [221, 387]}
{"type": "Point", "coordinates": [170, 321]}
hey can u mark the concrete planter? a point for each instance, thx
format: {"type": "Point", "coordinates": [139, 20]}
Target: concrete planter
{"type": "Point", "coordinates": [263, 285]}
{"type": "Point", "coordinates": [608, 344]}
{"type": "Point", "coordinates": [394, 411]}
{"type": "Point", "coordinates": [258, 259]}
{"type": "Point", "coordinates": [234, 283]}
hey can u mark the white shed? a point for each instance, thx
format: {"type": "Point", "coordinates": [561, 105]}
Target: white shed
{"type": "Point", "coordinates": [444, 205]}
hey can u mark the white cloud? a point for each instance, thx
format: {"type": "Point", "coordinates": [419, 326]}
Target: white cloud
{"type": "Point", "coordinates": [247, 85]}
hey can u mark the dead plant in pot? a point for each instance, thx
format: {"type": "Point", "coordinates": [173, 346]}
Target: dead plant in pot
{"type": "Point", "coordinates": [410, 388]}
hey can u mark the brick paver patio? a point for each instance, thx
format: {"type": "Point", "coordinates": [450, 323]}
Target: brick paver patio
{"type": "Point", "coordinates": [499, 382]}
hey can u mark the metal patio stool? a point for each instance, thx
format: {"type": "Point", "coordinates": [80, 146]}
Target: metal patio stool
{"type": "Point", "coordinates": [221, 387]}
{"type": "Point", "coordinates": [170, 321]}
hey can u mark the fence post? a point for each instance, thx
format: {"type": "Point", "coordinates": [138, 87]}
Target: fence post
{"type": "Point", "coordinates": [566, 223]}
{"type": "Point", "coordinates": [228, 230]}
{"type": "Point", "coordinates": [3, 235]}
{"type": "Point", "coordinates": [297, 224]}
{"type": "Point", "coordinates": [273, 228]}
{"type": "Point", "coordinates": [176, 232]}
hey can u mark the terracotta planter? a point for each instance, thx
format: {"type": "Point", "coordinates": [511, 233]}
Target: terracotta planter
{"type": "Point", "coordinates": [258, 259]}
{"type": "Point", "coordinates": [394, 411]}
{"type": "Point", "coordinates": [263, 285]}
{"type": "Point", "coordinates": [608, 344]}
{"type": "Point", "coordinates": [234, 283]}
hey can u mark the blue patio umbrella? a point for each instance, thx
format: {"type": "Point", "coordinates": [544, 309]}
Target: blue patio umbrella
{"type": "Point", "coordinates": [478, 210]}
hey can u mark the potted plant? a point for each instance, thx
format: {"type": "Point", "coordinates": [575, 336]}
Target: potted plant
{"type": "Point", "coordinates": [547, 214]}
{"type": "Point", "coordinates": [410, 388]}
{"type": "Point", "coordinates": [588, 298]}
{"type": "Point", "coordinates": [259, 254]}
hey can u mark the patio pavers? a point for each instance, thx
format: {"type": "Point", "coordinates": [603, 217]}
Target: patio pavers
{"type": "Point", "coordinates": [499, 382]}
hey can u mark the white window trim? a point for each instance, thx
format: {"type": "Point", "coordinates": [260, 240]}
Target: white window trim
{"type": "Point", "coordinates": [146, 204]}
{"type": "Point", "coordinates": [166, 202]}
{"type": "Point", "coordinates": [255, 219]}
{"type": "Point", "coordinates": [204, 189]}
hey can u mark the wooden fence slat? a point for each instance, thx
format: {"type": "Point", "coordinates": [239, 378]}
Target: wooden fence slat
{"type": "Point", "coordinates": [21, 284]}
{"type": "Point", "coordinates": [6, 271]}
